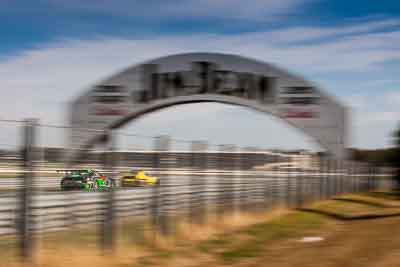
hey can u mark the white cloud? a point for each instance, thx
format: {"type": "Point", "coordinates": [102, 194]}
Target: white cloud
{"type": "Point", "coordinates": [358, 102]}
{"type": "Point", "coordinates": [156, 9]}
{"type": "Point", "coordinates": [299, 34]}
{"type": "Point", "coordinates": [379, 83]}
{"type": "Point", "coordinates": [392, 98]}
{"type": "Point", "coordinates": [384, 107]}
{"type": "Point", "coordinates": [238, 8]}
{"type": "Point", "coordinates": [375, 118]}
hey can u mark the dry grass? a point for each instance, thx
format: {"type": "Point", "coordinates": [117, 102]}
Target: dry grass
{"type": "Point", "coordinates": [356, 207]}
{"type": "Point", "coordinates": [136, 242]}
{"type": "Point", "coordinates": [227, 223]}
{"type": "Point", "coordinates": [372, 199]}
{"type": "Point", "coordinates": [239, 239]}
{"type": "Point", "coordinates": [72, 256]}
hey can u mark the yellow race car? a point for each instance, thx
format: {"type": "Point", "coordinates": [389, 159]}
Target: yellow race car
{"type": "Point", "coordinates": [139, 178]}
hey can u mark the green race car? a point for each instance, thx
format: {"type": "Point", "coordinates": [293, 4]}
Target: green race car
{"type": "Point", "coordinates": [85, 179]}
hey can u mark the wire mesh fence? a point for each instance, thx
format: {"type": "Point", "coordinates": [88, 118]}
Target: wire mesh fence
{"type": "Point", "coordinates": [204, 180]}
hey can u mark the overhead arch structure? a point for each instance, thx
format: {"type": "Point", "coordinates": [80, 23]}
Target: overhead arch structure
{"type": "Point", "coordinates": [208, 77]}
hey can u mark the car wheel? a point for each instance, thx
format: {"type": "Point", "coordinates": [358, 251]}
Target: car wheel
{"type": "Point", "coordinates": [95, 186]}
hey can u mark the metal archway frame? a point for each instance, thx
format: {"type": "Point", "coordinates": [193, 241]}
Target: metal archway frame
{"type": "Point", "coordinates": [206, 77]}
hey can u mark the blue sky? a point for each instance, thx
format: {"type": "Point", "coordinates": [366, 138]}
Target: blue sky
{"type": "Point", "coordinates": [51, 50]}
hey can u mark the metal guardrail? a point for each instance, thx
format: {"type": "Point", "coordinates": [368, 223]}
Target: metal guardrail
{"type": "Point", "coordinates": [53, 183]}
{"type": "Point", "coordinates": [60, 210]}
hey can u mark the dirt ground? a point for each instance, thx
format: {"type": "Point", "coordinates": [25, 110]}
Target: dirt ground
{"type": "Point", "coordinates": [373, 242]}
{"type": "Point", "coordinates": [345, 243]}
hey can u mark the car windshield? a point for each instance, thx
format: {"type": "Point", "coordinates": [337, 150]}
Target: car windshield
{"type": "Point", "coordinates": [75, 177]}
{"type": "Point", "coordinates": [78, 172]}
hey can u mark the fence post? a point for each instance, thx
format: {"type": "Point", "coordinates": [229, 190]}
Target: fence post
{"type": "Point", "coordinates": [197, 185]}
{"type": "Point", "coordinates": [230, 179]}
{"type": "Point", "coordinates": [155, 192]}
{"type": "Point", "coordinates": [364, 181]}
{"type": "Point", "coordinates": [348, 177]}
{"type": "Point", "coordinates": [314, 177]}
{"type": "Point", "coordinates": [108, 233]}
{"type": "Point", "coordinates": [356, 178]}
{"type": "Point", "coordinates": [220, 182]}
{"type": "Point", "coordinates": [329, 178]}
{"type": "Point", "coordinates": [377, 178]}
{"type": "Point", "coordinates": [275, 185]}
{"type": "Point", "coordinates": [334, 177]}
{"type": "Point", "coordinates": [265, 187]}
{"type": "Point", "coordinates": [224, 184]}
{"type": "Point", "coordinates": [371, 177]}
{"type": "Point", "coordinates": [345, 178]}
{"type": "Point", "coordinates": [236, 180]}
{"type": "Point", "coordinates": [360, 177]}
{"type": "Point", "coordinates": [339, 177]}
{"type": "Point", "coordinates": [322, 179]}
{"type": "Point", "coordinates": [375, 173]}
{"type": "Point", "coordinates": [25, 210]}
{"type": "Point", "coordinates": [320, 171]}
{"type": "Point", "coordinates": [162, 145]}
{"type": "Point", "coordinates": [353, 177]}
{"type": "Point", "coordinates": [255, 181]}
{"type": "Point", "coordinates": [204, 159]}
{"type": "Point", "coordinates": [299, 189]}
{"type": "Point", "coordinates": [328, 182]}
{"type": "Point", "coordinates": [241, 183]}
{"type": "Point", "coordinates": [288, 184]}
{"type": "Point", "coordinates": [248, 183]}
